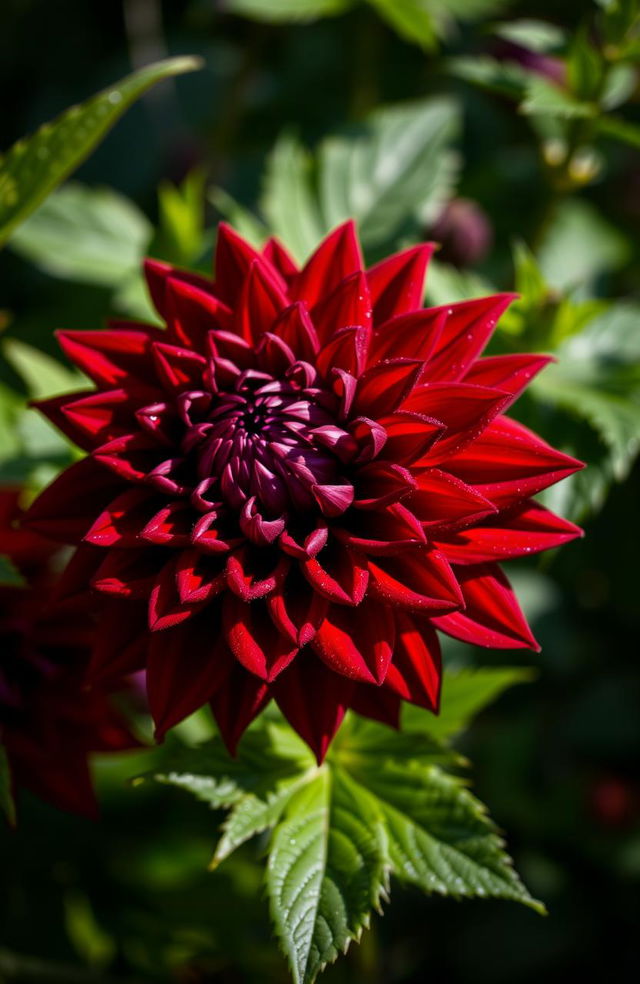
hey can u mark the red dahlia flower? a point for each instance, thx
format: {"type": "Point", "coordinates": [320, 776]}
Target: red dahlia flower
{"type": "Point", "coordinates": [293, 484]}
{"type": "Point", "coordinates": [49, 722]}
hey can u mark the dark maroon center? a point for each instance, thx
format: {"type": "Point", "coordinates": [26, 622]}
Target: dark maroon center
{"type": "Point", "coordinates": [265, 439]}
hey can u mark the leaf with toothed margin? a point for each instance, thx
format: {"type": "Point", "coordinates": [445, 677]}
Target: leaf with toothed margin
{"type": "Point", "coordinates": [380, 805]}
{"type": "Point", "coordinates": [328, 868]}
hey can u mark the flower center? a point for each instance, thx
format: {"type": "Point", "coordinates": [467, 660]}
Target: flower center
{"type": "Point", "coordinates": [263, 438]}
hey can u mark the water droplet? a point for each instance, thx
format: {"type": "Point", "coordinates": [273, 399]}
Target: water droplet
{"type": "Point", "coordinates": [115, 97]}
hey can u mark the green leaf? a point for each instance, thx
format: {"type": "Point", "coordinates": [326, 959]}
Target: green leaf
{"type": "Point", "coordinates": [379, 804]}
{"type": "Point", "coordinates": [530, 281]}
{"type": "Point", "coordinates": [11, 407]}
{"type": "Point", "coordinates": [282, 11]}
{"type": "Point", "coordinates": [6, 796]}
{"type": "Point", "coordinates": [543, 98]}
{"type": "Point", "coordinates": [35, 165]}
{"type": "Point", "coordinates": [91, 235]}
{"type": "Point", "coordinates": [268, 753]}
{"type": "Point", "coordinates": [446, 284]}
{"type": "Point", "coordinates": [440, 838]}
{"type": "Point", "coordinates": [619, 86]}
{"type": "Point", "coordinates": [327, 869]}
{"type": "Point", "coordinates": [411, 19]}
{"type": "Point", "coordinates": [287, 201]}
{"type": "Point", "coordinates": [181, 218]}
{"type": "Point", "coordinates": [465, 693]}
{"type": "Point", "coordinates": [502, 77]}
{"type": "Point", "coordinates": [535, 35]}
{"type": "Point", "coordinates": [578, 246]}
{"type": "Point", "coordinates": [10, 576]}
{"type": "Point", "coordinates": [613, 126]}
{"type": "Point", "coordinates": [242, 220]}
{"type": "Point", "coordinates": [595, 386]}
{"type": "Point", "coordinates": [398, 168]}
{"type": "Point", "coordinates": [585, 67]}
{"type": "Point", "coordinates": [42, 375]}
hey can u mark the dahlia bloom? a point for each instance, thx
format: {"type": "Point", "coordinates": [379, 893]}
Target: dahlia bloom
{"type": "Point", "coordinates": [49, 722]}
{"type": "Point", "coordinates": [296, 482]}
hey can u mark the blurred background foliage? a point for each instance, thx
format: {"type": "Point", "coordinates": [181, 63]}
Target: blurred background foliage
{"type": "Point", "coordinates": [510, 133]}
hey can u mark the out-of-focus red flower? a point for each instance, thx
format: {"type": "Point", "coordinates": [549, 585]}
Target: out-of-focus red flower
{"type": "Point", "coordinates": [614, 802]}
{"type": "Point", "coordinates": [547, 66]}
{"type": "Point", "coordinates": [295, 483]}
{"type": "Point", "coordinates": [49, 721]}
{"type": "Point", "coordinates": [464, 232]}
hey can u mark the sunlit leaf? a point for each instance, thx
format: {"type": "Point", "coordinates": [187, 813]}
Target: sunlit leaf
{"type": "Point", "coordinates": [91, 235]}
{"type": "Point", "coordinates": [465, 693]}
{"type": "Point", "coordinates": [276, 11]}
{"type": "Point", "coordinates": [397, 167]}
{"type": "Point", "coordinates": [380, 804]}
{"type": "Point", "coordinates": [288, 201]}
{"type": "Point", "coordinates": [33, 167]}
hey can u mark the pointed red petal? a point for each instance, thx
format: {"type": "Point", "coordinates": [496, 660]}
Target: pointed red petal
{"type": "Point", "coordinates": [397, 283]}
{"type": "Point", "coordinates": [185, 667]}
{"type": "Point", "coordinates": [492, 616]}
{"type": "Point", "coordinates": [316, 720]}
{"type": "Point", "coordinates": [336, 257]}
{"type": "Point", "coordinates": [416, 671]}
{"type": "Point", "coordinates": [280, 258]}
{"type": "Point", "coordinates": [65, 510]}
{"type": "Point", "coordinates": [88, 418]}
{"type": "Point", "coordinates": [347, 349]}
{"type": "Point", "coordinates": [112, 358]}
{"type": "Point", "coordinates": [296, 609]}
{"type": "Point", "coordinates": [442, 501]}
{"type": "Point", "coordinates": [464, 409]}
{"type": "Point", "coordinates": [295, 327]}
{"type": "Point", "coordinates": [382, 388]}
{"type": "Point", "coordinates": [508, 373]}
{"type": "Point", "coordinates": [380, 483]}
{"type": "Point", "coordinates": [234, 257]}
{"type": "Point", "coordinates": [358, 648]}
{"type": "Point", "coordinates": [192, 313]}
{"type": "Point", "coordinates": [178, 368]}
{"type": "Point", "coordinates": [409, 336]}
{"type": "Point", "coordinates": [166, 608]}
{"type": "Point", "coordinates": [158, 273]}
{"type": "Point", "coordinates": [409, 435]}
{"type": "Point", "coordinates": [508, 463]}
{"type": "Point", "coordinates": [527, 529]}
{"type": "Point", "coordinates": [261, 301]}
{"type": "Point", "coordinates": [253, 638]}
{"type": "Point", "coordinates": [338, 573]}
{"type": "Point", "coordinates": [237, 702]}
{"type": "Point", "coordinates": [418, 581]}
{"type": "Point", "coordinates": [465, 332]}
{"type": "Point", "coordinates": [347, 305]}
